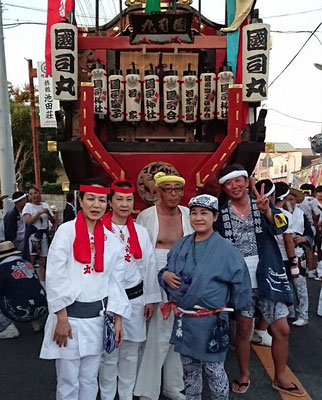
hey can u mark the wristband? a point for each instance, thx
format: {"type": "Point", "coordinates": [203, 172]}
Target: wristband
{"type": "Point", "coordinates": [295, 271]}
{"type": "Point", "coordinates": [293, 260]}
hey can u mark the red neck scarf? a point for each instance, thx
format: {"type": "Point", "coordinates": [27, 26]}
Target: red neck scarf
{"type": "Point", "coordinates": [82, 246]}
{"type": "Point", "coordinates": [135, 248]}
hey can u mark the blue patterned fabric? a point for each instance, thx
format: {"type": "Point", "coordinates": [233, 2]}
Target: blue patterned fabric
{"type": "Point", "coordinates": [109, 342]}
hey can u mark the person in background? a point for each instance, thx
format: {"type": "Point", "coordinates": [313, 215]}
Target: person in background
{"type": "Point", "coordinates": [37, 215]}
{"type": "Point", "coordinates": [69, 210]}
{"type": "Point", "coordinates": [22, 297]}
{"type": "Point", "coordinates": [312, 211]}
{"type": "Point", "coordinates": [14, 224]}
{"type": "Point", "coordinates": [318, 237]}
{"type": "Point", "coordinates": [166, 223]}
{"type": "Point", "coordinates": [118, 370]}
{"type": "Point", "coordinates": [204, 273]}
{"type": "Point", "coordinates": [2, 236]}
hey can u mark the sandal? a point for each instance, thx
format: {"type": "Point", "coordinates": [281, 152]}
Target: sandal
{"type": "Point", "coordinates": [289, 390]}
{"type": "Point", "coordinates": [242, 386]}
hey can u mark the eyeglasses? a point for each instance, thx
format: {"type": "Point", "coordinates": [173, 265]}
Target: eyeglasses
{"type": "Point", "coordinates": [170, 189]}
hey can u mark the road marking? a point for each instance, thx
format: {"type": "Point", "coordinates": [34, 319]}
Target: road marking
{"type": "Point", "coordinates": [265, 357]}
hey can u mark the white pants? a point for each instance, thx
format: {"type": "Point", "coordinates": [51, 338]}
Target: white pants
{"type": "Point", "coordinates": [320, 303]}
{"type": "Point", "coordinates": [302, 296]}
{"type": "Point", "coordinates": [77, 379]}
{"type": "Point", "coordinates": [118, 371]}
{"type": "Point", "coordinates": [158, 353]}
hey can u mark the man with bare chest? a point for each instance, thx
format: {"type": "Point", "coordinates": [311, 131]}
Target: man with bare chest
{"type": "Point", "coordinates": [166, 223]}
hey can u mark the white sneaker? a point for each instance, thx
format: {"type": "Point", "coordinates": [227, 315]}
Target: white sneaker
{"type": "Point", "coordinates": [311, 274]}
{"type": "Point", "coordinates": [10, 332]}
{"type": "Point", "coordinates": [265, 338]}
{"type": "Point", "coordinates": [300, 322]}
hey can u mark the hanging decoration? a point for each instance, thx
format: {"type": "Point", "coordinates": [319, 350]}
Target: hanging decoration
{"type": "Point", "coordinates": [189, 96]}
{"type": "Point", "coordinates": [225, 78]}
{"type": "Point", "coordinates": [207, 96]}
{"type": "Point", "coordinates": [99, 79]}
{"type": "Point", "coordinates": [171, 96]}
{"type": "Point", "coordinates": [151, 85]}
{"type": "Point", "coordinates": [116, 95]}
{"type": "Point", "coordinates": [133, 94]}
{"type": "Point", "coordinates": [64, 62]}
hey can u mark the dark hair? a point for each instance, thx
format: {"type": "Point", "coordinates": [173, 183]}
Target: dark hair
{"type": "Point", "coordinates": [280, 189]}
{"type": "Point", "coordinates": [70, 197]}
{"type": "Point", "coordinates": [16, 195]}
{"type": "Point", "coordinates": [92, 181]}
{"type": "Point", "coordinates": [308, 186]}
{"type": "Point", "coordinates": [318, 189]}
{"type": "Point", "coordinates": [268, 184]}
{"type": "Point", "coordinates": [231, 168]}
{"type": "Point", "coordinates": [121, 184]}
{"type": "Point", "coordinates": [34, 188]}
{"type": "Point", "coordinates": [214, 212]}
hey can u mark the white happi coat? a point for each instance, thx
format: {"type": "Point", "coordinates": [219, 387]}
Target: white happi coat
{"type": "Point", "coordinates": [68, 280]}
{"type": "Point", "coordinates": [137, 270]}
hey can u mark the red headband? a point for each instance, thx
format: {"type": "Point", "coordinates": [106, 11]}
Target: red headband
{"type": "Point", "coordinates": [94, 189]}
{"type": "Point", "coordinates": [122, 189]}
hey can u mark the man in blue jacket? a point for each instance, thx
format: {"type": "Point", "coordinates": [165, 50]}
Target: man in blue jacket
{"type": "Point", "coordinates": [14, 224]}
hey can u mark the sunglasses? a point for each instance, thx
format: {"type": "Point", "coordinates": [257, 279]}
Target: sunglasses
{"type": "Point", "coordinates": [170, 189]}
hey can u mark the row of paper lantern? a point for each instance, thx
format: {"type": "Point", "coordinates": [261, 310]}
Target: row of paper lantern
{"type": "Point", "coordinates": [124, 100]}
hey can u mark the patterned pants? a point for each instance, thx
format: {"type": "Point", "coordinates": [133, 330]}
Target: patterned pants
{"type": "Point", "coordinates": [216, 375]}
{"type": "Point", "coordinates": [300, 289]}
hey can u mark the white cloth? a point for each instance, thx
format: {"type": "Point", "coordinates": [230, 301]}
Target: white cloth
{"type": "Point", "coordinates": [68, 280]}
{"type": "Point", "coordinates": [77, 379]}
{"type": "Point", "coordinates": [310, 207]}
{"type": "Point", "coordinates": [279, 238]}
{"type": "Point", "coordinates": [252, 262]}
{"type": "Point", "coordinates": [118, 372]}
{"type": "Point", "coordinates": [32, 209]}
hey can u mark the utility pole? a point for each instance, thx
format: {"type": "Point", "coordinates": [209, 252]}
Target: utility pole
{"type": "Point", "coordinates": [7, 164]}
{"type": "Point", "coordinates": [32, 75]}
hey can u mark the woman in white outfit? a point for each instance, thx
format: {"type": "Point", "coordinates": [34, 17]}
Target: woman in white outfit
{"type": "Point", "coordinates": [85, 275]}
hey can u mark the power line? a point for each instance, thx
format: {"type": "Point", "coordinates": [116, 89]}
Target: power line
{"type": "Point", "coordinates": [293, 58]}
{"type": "Point", "coordinates": [296, 13]}
{"type": "Point", "coordinates": [291, 116]}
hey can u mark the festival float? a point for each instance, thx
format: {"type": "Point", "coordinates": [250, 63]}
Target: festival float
{"type": "Point", "coordinates": [161, 88]}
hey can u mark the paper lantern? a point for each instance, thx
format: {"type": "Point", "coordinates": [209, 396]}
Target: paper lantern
{"type": "Point", "coordinates": [133, 95]}
{"type": "Point", "coordinates": [207, 96]}
{"type": "Point", "coordinates": [189, 96]}
{"type": "Point", "coordinates": [151, 87]}
{"type": "Point", "coordinates": [256, 38]}
{"type": "Point", "coordinates": [99, 79]}
{"type": "Point", "coordinates": [225, 78]}
{"type": "Point", "coordinates": [64, 61]}
{"type": "Point", "coordinates": [116, 95]}
{"type": "Point", "coordinates": [171, 96]}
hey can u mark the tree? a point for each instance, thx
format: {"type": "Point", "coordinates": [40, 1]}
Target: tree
{"type": "Point", "coordinates": [22, 142]}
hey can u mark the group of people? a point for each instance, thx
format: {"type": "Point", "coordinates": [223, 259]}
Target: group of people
{"type": "Point", "coordinates": [143, 307]}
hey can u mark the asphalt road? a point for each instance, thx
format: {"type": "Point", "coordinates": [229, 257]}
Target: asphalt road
{"type": "Point", "coordinates": [23, 376]}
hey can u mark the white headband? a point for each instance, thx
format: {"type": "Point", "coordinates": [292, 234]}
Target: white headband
{"type": "Point", "coordinates": [271, 191]}
{"type": "Point", "coordinates": [233, 175]}
{"type": "Point", "coordinates": [282, 196]}
{"type": "Point", "coordinates": [18, 199]}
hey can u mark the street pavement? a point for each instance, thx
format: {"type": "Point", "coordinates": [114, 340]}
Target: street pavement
{"type": "Point", "coordinates": [23, 376]}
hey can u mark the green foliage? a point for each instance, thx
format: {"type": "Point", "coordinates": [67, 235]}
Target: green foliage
{"type": "Point", "coordinates": [22, 142]}
{"type": "Point", "coordinates": [51, 188]}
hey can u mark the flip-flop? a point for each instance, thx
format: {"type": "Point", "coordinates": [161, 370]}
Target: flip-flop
{"type": "Point", "coordinates": [241, 385]}
{"type": "Point", "coordinates": [289, 390]}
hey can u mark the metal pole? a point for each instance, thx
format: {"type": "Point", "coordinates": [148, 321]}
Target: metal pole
{"type": "Point", "coordinates": [7, 164]}
{"type": "Point", "coordinates": [97, 17]}
{"type": "Point", "coordinates": [32, 75]}
{"type": "Point", "coordinates": [199, 10]}
{"type": "Point", "coordinates": [121, 18]}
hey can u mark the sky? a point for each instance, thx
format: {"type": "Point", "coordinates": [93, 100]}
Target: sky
{"type": "Point", "coordinates": [297, 92]}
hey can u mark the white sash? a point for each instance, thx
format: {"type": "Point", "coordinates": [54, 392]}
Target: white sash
{"type": "Point", "coordinates": [252, 262]}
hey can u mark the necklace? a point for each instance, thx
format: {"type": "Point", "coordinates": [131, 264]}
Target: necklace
{"type": "Point", "coordinates": [121, 234]}
{"type": "Point", "coordinates": [241, 213]}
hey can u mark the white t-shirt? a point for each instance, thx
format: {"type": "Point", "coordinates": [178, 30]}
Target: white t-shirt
{"type": "Point", "coordinates": [279, 238]}
{"type": "Point", "coordinates": [32, 209]}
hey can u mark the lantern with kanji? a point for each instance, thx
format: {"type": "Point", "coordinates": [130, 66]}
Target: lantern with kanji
{"type": "Point", "coordinates": [189, 93]}
{"type": "Point", "coordinates": [225, 78]}
{"type": "Point", "coordinates": [171, 96]}
{"type": "Point", "coordinates": [116, 95]}
{"type": "Point", "coordinates": [99, 79]}
{"type": "Point", "coordinates": [151, 85]}
{"type": "Point", "coordinates": [207, 96]}
{"type": "Point", "coordinates": [133, 95]}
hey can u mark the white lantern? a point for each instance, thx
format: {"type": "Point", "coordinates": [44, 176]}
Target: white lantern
{"type": "Point", "coordinates": [133, 95]}
{"type": "Point", "coordinates": [189, 95]}
{"type": "Point", "coordinates": [171, 96]}
{"type": "Point", "coordinates": [64, 60]}
{"type": "Point", "coordinates": [225, 78]}
{"type": "Point", "coordinates": [207, 96]}
{"type": "Point", "coordinates": [116, 96]}
{"type": "Point", "coordinates": [256, 38]}
{"type": "Point", "coordinates": [99, 79]}
{"type": "Point", "coordinates": [151, 85]}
